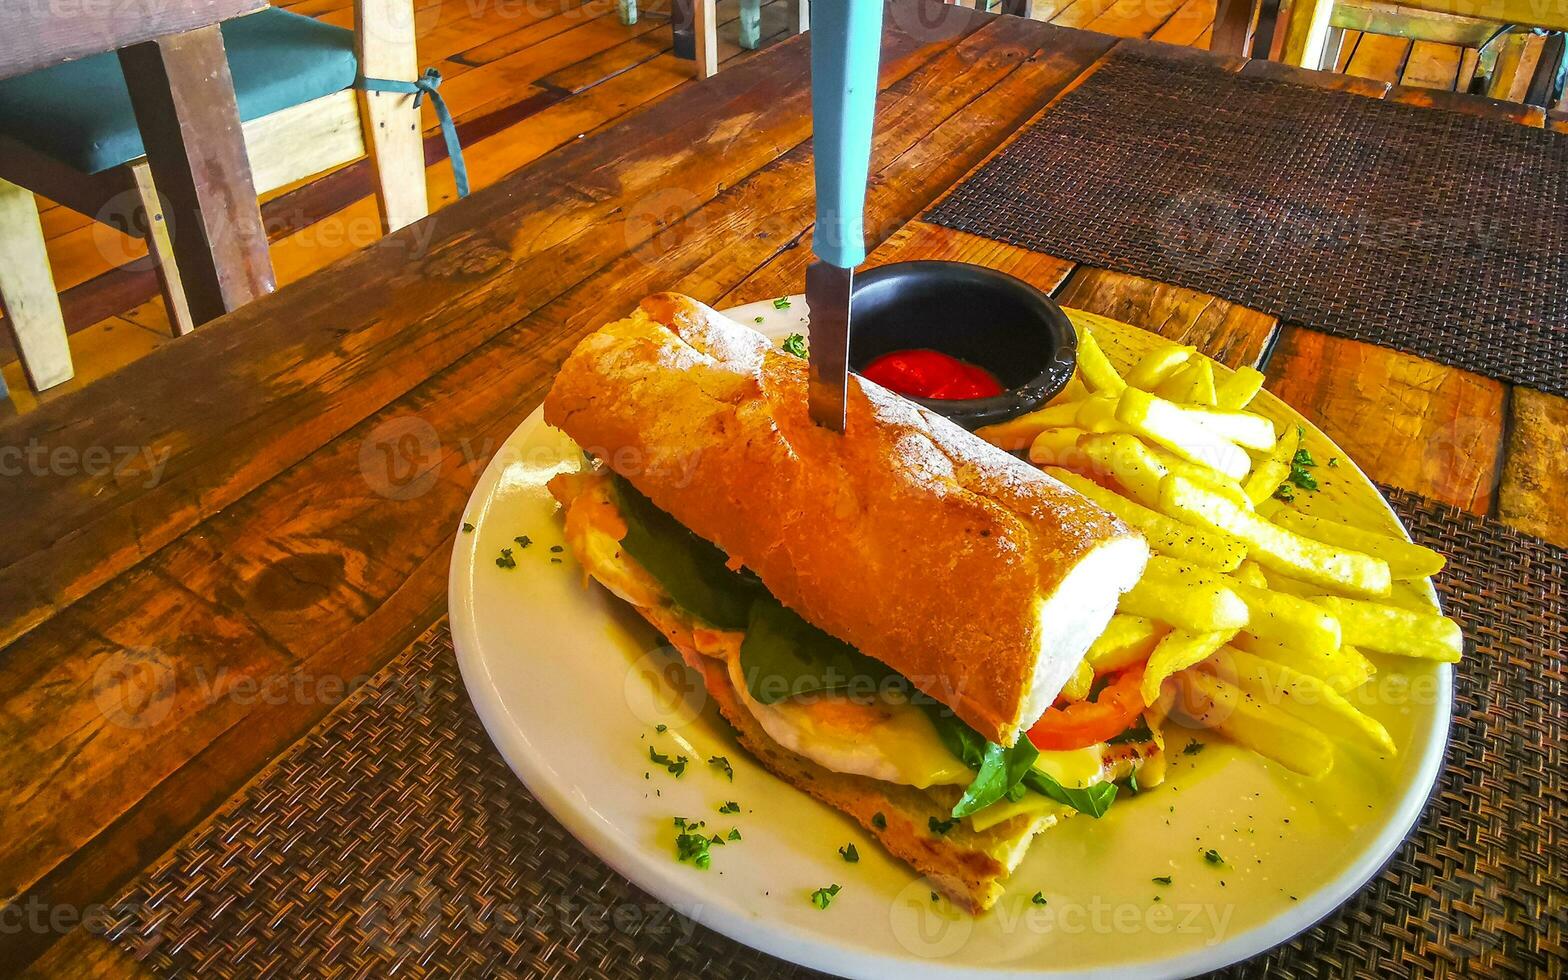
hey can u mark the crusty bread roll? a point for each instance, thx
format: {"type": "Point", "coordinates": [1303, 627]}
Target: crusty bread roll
{"type": "Point", "coordinates": [974, 575]}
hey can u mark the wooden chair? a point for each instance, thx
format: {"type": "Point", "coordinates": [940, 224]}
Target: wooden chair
{"type": "Point", "coordinates": [1314, 29]}
{"type": "Point", "coordinates": [68, 133]}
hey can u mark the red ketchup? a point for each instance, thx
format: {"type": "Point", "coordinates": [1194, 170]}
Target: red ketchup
{"type": "Point", "coordinates": [923, 373]}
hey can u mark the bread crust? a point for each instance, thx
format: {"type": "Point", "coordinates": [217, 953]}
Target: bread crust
{"type": "Point", "coordinates": [907, 537]}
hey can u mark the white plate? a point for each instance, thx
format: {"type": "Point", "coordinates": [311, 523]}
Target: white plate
{"type": "Point", "coordinates": [570, 685]}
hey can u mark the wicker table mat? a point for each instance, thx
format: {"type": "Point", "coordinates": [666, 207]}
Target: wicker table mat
{"type": "Point", "coordinates": [1431, 232]}
{"type": "Point", "coordinates": [394, 837]}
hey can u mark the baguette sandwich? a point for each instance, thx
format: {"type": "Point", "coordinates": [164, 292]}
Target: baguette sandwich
{"type": "Point", "coordinates": [882, 615]}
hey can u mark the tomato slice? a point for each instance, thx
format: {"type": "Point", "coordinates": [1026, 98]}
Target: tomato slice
{"type": "Point", "coordinates": [1083, 723]}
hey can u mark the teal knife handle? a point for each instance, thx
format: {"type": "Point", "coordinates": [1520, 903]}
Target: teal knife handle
{"type": "Point", "coordinates": [846, 43]}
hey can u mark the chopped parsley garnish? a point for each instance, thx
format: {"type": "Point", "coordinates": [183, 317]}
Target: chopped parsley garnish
{"type": "Point", "coordinates": [730, 807]}
{"type": "Point", "coordinates": [782, 303]}
{"type": "Point", "coordinates": [935, 897]}
{"type": "Point", "coordinates": [879, 821]}
{"type": "Point", "coordinates": [1333, 462]}
{"type": "Point", "coordinates": [556, 549]}
{"type": "Point", "coordinates": [940, 827]}
{"type": "Point", "coordinates": [1213, 857]}
{"type": "Point", "coordinates": [506, 560]}
{"type": "Point", "coordinates": [1162, 879]}
{"type": "Point", "coordinates": [734, 833]}
{"type": "Point", "coordinates": [468, 528]}
{"type": "Point", "coordinates": [849, 854]}
{"type": "Point", "coordinates": [724, 764]}
{"type": "Point", "coordinates": [661, 729]}
{"type": "Point", "coordinates": [523, 540]}
{"type": "Point", "coordinates": [676, 766]}
{"type": "Point", "coordinates": [823, 897]}
{"type": "Point", "coordinates": [1192, 748]}
{"type": "Point", "coordinates": [555, 561]}
{"type": "Point", "coordinates": [1037, 898]}
{"type": "Point", "coordinates": [694, 848]}
{"type": "Point", "coordinates": [794, 344]}
{"type": "Point", "coordinates": [758, 319]}
{"type": "Point", "coordinates": [1299, 464]}
{"type": "Point", "coordinates": [1284, 492]}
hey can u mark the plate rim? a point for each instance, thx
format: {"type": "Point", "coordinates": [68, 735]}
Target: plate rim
{"type": "Point", "coordinates": [816, 949]}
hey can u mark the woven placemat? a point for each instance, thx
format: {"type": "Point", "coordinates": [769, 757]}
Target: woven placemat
{"type": "Point", "coordinates": [1431, 232]}
{"type": "Point", "coordinates": [394, 839]}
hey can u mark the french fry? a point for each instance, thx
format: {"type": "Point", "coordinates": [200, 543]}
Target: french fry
{"type": "Point", "coordinates": [1202, 475]}
{"type": "Point", "coordinates": [1073, 391]}
{"type": "Point", "coordinates": [1179, 650]}
{"type": "Point", "coordinates": [1139, 469]}
{"type": "Point", "coordinates": [1213, 703]}
{"type": "Point", "coordinates": [1291, 586]}
{"type": "Point", "coordinates": [1018, 433]}
{"type": "Point", "coordinates": [1252, 574]}
{"type": "Point", "coordinates": [1392, 629]}
{"type": "Point", "coordinates": [1301, 695]}
{"type": "Point", "coordinates": [1059, 447]}
{"type": "Point", "coordinates": [1192, 385]}
{"type": "Point", "coordinates": [1273, 470]}
{"type": "Point", "coordinates": [1344, 669]}
{"type": "Point", "coordinates": [1157, 365]}
{"type": "Point", "coordinates": [1127, 640]}
{"type": "Point", "coordinates": [1165, 536]}
{"type": "Point", "coordinates": [1405, 560]}
{"type": "Point", "coordinates": [1289, 619]}
{"type": "Point", "coordinates": [1095, 367]}
{"type": "Point", "coordinates": [1078, 686]}
{"type": "Point", "coordinates": [1237, 391]}
{"type": "Point", "coordinates": [1171, 426]}
{"type": "Point", "coordinates": [1097, 413]}
{"type": "Point", "coordinates": [1273, 547]}
{"type": "Point", "coordinates": [1184, 596]}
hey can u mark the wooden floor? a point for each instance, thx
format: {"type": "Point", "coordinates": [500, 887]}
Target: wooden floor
{"type": "Point", "coordinates": [523, 79]}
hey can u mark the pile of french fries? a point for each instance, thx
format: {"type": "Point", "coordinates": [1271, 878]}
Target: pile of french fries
{"type": "Point", "coordinates": [1252, 618]}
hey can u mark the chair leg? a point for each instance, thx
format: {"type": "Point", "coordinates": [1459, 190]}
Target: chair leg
{"type": "Point", "coordinates": [628, 11]}
{"type": "Point", "coordinates": [706, 27]}
{"type": "Point", "coordinates": [390, 120]}
{"type": "Point", "coordinates": [149, 222]}
{"type": "Point", "coordinates": [27, 294]}
{"type": "Point", "coordinates": [798, 14]}
{"type": "Point", "coordinates": [1306, 33]}
{"type": "Point", "coordinates": [750, 24]}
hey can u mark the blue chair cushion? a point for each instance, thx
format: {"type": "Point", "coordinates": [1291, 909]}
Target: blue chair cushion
{"type": "Point", "coordinates": [80, 112]}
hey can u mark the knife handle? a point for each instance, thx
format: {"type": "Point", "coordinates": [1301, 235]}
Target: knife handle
{"type": "Point", "coordinates": [846, 43]}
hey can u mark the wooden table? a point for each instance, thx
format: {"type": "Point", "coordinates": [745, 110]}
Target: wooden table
{"type": "Point", "coordinates": [268, 505]}
{"type": "Point", "coordinates": [178, 76]}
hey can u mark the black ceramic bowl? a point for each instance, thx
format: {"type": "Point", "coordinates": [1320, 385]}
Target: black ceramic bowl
{"type": "Point", "coordinates": [975, 314]}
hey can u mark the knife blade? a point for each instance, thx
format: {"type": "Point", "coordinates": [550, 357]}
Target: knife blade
{"type": "Point", "coordinates": [846, 43]}
{"type": "Point", "coordinates": [828, 289]}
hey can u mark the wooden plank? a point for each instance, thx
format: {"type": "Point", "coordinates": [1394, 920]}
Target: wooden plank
{"type": "Point", "coordinates": [304, 140]}
{"type": "Point", "coordinates": [1404, 420]}
{"type": "Point", "coordinates": [96, 350]}
{"type": "Point", "coordinates": [388, 121]}
{"type": "Point", "coordinates": [1187, 24]}
{"type": "Point", "coordinates": [1379, 57]}
{"type": "Point", "coordinates": [1135, 18]}
{"type": "Point", "coordinates": [1233, 27]}
{"type": "Point", "coordinates": [1231, 334]}
{"type": "Point", "coordinates": [1432, 65]}
{"type": "Point", "coordinates": [1401, 20]}
{"type": "Point", "coordinates": [42, 34]}
{"type": "Point", "coordinates": [1534, 492]}
{"type": "Point", "coordinates": [292, 568]}
{"type": "Point", "coordinates": [184, 101]}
